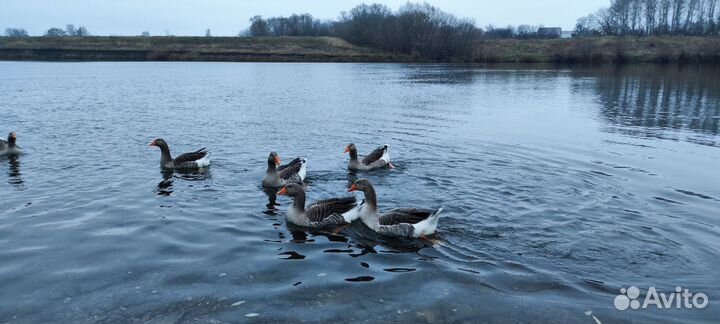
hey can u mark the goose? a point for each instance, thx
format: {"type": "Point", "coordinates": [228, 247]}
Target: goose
{"type": "Point", "coordinates": [278, 176]}
{"type": "Point", "coordinates": [379, 158]}
{"type": "Point", "coordinates": [187, 161]}
{"type": "Point", "coordinates": [9, 147]}
{"type": "Point", "coordinates": [322, 213]}
{"type": "Point", "coordinates": [405, 222]}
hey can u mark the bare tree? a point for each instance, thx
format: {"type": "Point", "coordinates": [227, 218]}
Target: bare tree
{"type": "Point", "coordinates": [55, 32]}
{"type": "Point", "coordinates": [677, 11]}
{"type": "Point", "coordinates": [650, 12]}
{"type": "Point", "coordinates": [692, 6]}
{"type": "Point", "coordinates": [258, 27]}
{"type": "Point", "coordinates": [636, 8]}
{"type": "Point", "coordinates": [587, 26]}
{"type": "Point", "coordinates": [664, 16]}
{"type": "Point", "coordinates": [657, 17]}
{"type": "Point", "coordinates": [82, 31]}
{"type": "Point", "coordinates": [70, 30]}
{"type": "Point", "coordinates": [712, 24]}
{"type": "Point", "coordinates": [607, 21]}
{"type": "Point", "coordinates": [16, 32]}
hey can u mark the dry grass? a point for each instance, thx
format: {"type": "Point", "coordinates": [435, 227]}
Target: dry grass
{"type": "Point", "coordinates": [329, 49]}
{"type": "Point", "coordinates": [189, 49]}
{"type": "Point", "coordinates": [601, 50]}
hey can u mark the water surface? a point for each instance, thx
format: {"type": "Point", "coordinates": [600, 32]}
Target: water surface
{"type": "Point", "coordinates": [560, 186]}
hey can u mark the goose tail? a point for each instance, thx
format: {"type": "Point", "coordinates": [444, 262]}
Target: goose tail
{"type": "Point", "coordinates": [429, 225]}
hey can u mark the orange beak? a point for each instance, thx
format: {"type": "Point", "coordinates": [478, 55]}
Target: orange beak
{"type": "Point", "coordinates": [347, 149]}
{"type": "Point", "coordinates": [352, 188]}
{"type": "Point", "coordinates": [282, 191]}
{"type": "Point", "coordinates": [277, 160]}
{"type": "Point", "coordinates": [152, 144]}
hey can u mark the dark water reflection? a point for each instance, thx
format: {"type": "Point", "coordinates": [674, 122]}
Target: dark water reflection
{"type": "Point", "coordinates": [561, 185]}
{"type": "Point", "coordinates": [14, 175]}
{"type": "Point", "coordinates": [169, 176]}
{"type": "Point", "coordinates": [647, 100]}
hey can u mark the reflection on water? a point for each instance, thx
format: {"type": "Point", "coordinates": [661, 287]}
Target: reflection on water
{"type": "Point", "coordinates": [646, 100]}
{"type": "Point", "coordinates": [165, 187]}
{"type": "Point", "coordinates": [272, 201]}
{"type": "Point", "coordinates": [440, 74]}
{"type": "Point", "coordinates": [14, 175]}
{"type": "Point", "coordinates": [561, 185]}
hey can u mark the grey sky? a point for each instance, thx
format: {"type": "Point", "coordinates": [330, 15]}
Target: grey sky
{"type": "Point", "coordinates": [228, 17]}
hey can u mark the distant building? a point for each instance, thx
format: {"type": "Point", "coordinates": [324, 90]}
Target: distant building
{"type": "Point", "coordinates": [549, 32]}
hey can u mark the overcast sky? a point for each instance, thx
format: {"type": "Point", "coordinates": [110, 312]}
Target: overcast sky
{"type": "Point", "coordinates": [228, 17]}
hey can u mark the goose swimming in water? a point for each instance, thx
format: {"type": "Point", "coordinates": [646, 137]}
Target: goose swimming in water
{"type": "Point", "coordinates": [405, 222]}
{"type": "Point", "coordinates": [379, 158]}
{"type": "Point", "coordinates": [9, 147]}
{"type": "Point", "coordinates": [187, 161]}
{"type": "Point", "coordinates": [278, 176]}
{"type": "Point", "coordinates": [322, 213]}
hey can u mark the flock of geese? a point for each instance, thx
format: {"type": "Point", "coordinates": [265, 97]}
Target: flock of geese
{"type": "Point", "coordinates": [326, 213]}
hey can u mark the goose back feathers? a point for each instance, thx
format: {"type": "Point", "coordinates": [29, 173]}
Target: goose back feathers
{"type": "Point", "coordinates": [321, 213]}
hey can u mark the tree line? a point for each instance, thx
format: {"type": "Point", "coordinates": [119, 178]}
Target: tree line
{"type": "Point", "coordinates": [653, 17]}
{"type": "Point", "coordinates": [70, 30]}
{"type": "Point", "coordinates": [414, 29]}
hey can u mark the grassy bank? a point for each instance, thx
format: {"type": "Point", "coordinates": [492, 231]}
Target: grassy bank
{"type": "Point", "coordinates": [235, 49]}
{"type": "Point", "coordinates": [328, 49]}
{"type": "Point", "coordinates": [601, 50]}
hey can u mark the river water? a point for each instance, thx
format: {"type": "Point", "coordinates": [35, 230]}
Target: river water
{"type": "Point", "coordinates": [561, 186]}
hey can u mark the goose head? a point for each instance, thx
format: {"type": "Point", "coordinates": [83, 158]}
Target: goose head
{"type": "Point", "coordinates": [274, 158]}
{"type": "Point", "coordinates": [291, 190]}
{"type": "Point", "coordinates": [12, 137]}
{"type": "Point", "coordinates": [159, 142]}
{"type": "Point", "coordinates": [360, 185]}
{"type": "Point", "coordinates": [350, 148]}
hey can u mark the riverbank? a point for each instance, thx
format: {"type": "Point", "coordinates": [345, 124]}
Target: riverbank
{"type": "Point", "coordinates": [232, 49]}
{"type": "Point", "coordinates": [666, 49]}
{"type": "Point", "coordinates": [678, 49]}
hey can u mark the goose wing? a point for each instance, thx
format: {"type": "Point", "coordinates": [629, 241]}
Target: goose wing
{"type": "Point", "coordinates": [190, 157]}
{"type": "Point", "coordinates": [3, 144]}
{"type": "Point", "coordinates": [288, 170]}
{"type": "Point", "coordinates": [374, 156]}
{"type": "Point", "coordinates": [405, 215]}
{"type": "Point", "coordinates": [321, 209]}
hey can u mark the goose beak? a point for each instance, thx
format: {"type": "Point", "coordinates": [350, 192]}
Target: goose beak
{"type": "Point", "coordinates": [352, 188]}
{"type": "Point", "coordinates": [277, 160]}
{"type": "Point", "coordinates": [347, 149]}
{"type": "Point", "coordinates": [152, 144]}
{"type": "Point", "coordinates": [282, 191]}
